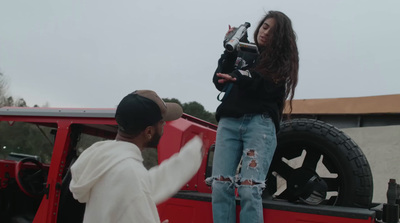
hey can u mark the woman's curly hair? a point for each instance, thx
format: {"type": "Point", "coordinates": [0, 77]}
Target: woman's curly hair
{"type": "Point", "coordinates": [279, 59]}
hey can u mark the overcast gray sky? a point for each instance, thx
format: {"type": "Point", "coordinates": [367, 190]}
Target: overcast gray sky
{"type": "Point", "coordinates": [91, 53]}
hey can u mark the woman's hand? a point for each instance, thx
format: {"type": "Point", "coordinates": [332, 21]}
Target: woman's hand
{"type": "Point", "coordinates": [227, 33]}
{"type": "Point", "coordinates": [225, 78]}
{"type": "Point", "coordinates": [230, 29]}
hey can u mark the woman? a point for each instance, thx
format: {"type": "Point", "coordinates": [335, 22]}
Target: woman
{"type": "Point", "coordinates": [249, 116]}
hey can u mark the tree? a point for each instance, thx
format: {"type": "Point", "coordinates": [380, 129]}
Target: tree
{"type": "Point", "coordinates": [197, 110]}
{"type": "Point", "coordinates": [6, 100]}
{"type": "Point", "coordinates": [20, 103]}
{"type": "Point", "coordinates": [3, 90]}
{"type": "Point", "coordinates": [9, 101]}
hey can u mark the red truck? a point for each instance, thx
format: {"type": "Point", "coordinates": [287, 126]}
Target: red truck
{"type": "Point", "coordinates": [38, 145]}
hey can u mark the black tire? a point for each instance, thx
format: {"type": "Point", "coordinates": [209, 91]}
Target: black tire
{"type": "Point", "coordinates": [341, 163]}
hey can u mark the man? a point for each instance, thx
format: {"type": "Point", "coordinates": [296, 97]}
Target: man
{"type": "Point", "coordinates": [110, 177]}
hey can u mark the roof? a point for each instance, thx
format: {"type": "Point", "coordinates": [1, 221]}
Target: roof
{"type": "Point", "coordinates": [79, 113]}
{"type": "Point", "coordinates": [383, 104]}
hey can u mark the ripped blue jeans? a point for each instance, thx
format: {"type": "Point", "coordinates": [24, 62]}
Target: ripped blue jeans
{"type": "Point", "coordinates": [252, 140]}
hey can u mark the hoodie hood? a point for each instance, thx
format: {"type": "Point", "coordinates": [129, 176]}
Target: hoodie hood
{"type": "Point", "coordinates": [97, 160]}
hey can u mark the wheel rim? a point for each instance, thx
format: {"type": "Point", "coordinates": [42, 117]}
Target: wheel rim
{"type": "Point", "coordinates": [303, 155]}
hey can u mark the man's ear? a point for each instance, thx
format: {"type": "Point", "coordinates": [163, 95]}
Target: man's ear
{"type": "Point", "coordinates": [149, 132]}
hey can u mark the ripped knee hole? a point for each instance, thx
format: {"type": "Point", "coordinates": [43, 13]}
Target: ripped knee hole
{"type": "Point", "coordinates": [223, 179]}
{"type": "Point", "coordinates": [251, 153]}
{"type": "Point", "coordinates": [253, 163]}
{"type": "Point", "coordinates": [249, 182]}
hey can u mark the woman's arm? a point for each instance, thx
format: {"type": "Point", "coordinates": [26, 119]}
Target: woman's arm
{"type": "Point", "coordinates": [226, 64]}
{"type": "Point", "coordinates": [250, 81]}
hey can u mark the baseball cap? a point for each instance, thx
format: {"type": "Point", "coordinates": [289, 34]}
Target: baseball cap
{"type": "Point", "coordinates": [143, 108]}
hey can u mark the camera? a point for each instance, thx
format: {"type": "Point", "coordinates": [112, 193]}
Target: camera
{"type": "Point", "coordinates": [237, 40]}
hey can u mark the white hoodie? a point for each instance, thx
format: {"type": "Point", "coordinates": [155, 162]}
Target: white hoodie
{"type": "Point", "coordinates": [110, 178]}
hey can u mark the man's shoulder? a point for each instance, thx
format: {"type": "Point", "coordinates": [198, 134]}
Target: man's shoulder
{"type": "Point", "coordinates": [128, 173]}
{"type": "Point", "coordinates": [130, 166]}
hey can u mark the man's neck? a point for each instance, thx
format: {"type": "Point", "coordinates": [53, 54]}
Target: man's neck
{"type": "Point", "coordinates": [128, 138]}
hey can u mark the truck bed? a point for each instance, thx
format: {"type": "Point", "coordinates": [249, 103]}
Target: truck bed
{"type": "Point", "coordinates": [190, 206]}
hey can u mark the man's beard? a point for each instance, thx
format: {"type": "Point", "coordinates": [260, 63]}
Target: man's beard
{"type": "Point", "coordinates": [154, 141]}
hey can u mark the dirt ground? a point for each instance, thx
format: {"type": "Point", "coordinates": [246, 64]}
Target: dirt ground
{"type": "Point", "coordinates": [381, 146]}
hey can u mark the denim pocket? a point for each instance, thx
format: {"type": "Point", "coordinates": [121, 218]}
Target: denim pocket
{"type": "Point", "coordinates": [266, 120]}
